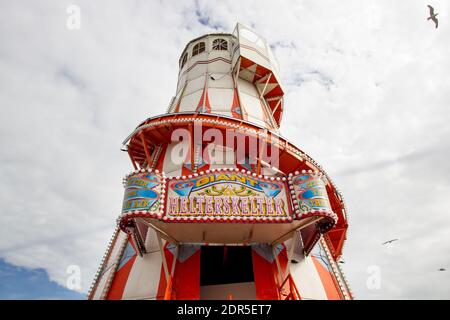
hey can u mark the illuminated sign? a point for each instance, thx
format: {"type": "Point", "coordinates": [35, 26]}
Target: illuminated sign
{"type": "Point", "coordinates": [142, 192]}
{"type": "Point", "coordinates": [310, 194]}
{"type": "Point", "coordinates": [227, 194]}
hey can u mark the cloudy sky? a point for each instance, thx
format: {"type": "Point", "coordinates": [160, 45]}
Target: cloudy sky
{"type": "Point", "coordinates": [368, 97]}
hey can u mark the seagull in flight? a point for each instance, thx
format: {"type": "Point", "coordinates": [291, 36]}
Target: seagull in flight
{"type": "Point", "coordinates": [390, 241]}
{"type": "Point", "coordinates": [433, 15]}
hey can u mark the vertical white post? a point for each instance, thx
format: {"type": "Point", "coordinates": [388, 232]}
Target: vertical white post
{"type": "Point", "coordinates": [163, 256]}
{"type": "Point", "coordinates": [236, 75]}
{"type": "Point", "coordinates": [265, 86]}
{"type": "Point", "coordinates": [291, 254]}
{"type": "Point", "coordinates": [280, 273]}
{"type": "Point", "coordinates": [175, 257]}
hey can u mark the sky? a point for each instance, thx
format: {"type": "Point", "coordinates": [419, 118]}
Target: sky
{"type": "Point", "coordinates": [367, 96]}
{"type": "Point", "coordinates": [20, 283]}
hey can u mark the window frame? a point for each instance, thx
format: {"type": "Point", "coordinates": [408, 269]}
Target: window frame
{"type": "Point", "coordinates": [197, 49]}
{"type": "Point", "coordinates": [220, 44]}
{"type": "Point", "coordinates": [184, 60]}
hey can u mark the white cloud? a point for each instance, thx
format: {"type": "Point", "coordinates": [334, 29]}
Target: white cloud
{"type": "Point", "coordinates": [367, 97]}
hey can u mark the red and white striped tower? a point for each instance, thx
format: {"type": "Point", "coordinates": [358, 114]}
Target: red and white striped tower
{"type": "Point", "coordinates": [219, 205]}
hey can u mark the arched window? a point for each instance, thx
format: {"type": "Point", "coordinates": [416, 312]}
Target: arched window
{"type": "Point", "coordinates": [198, 48]}
{"type": "Point", "coordinates": [220, 44]}
{"type": "Point", "coordinates": [183, 62]}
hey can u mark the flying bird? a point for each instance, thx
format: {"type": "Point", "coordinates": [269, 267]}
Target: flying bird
{"type": "Point", "coordinates": [441, 269]}
{"type": "Point", "coordinates": [433, 15]}
{"type": "Point", "coordinates": [389, 241]}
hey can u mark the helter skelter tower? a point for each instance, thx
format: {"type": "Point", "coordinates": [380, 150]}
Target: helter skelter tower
{"type": "Point", "coordinates": [219, 205]}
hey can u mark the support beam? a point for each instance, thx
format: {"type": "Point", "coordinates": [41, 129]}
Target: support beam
{"type": "Point", "coordinates": [265, 164]}
{"type": "Point", "coordinates": [175, 257]}
{"type": "Point", "coordinates": [301, 226]}
{"type": "Point", "coordinates": [159, 135]}
{"type": "Point", "coordinates": [276, 107]}
{"type": "Point", "coordinates": [236, 75]}
{"type": "Point", "coordinates": [165, 235]}
{"type": "Point", "coordinates": [280, 273]}
{"type": "Point", "coordinates": [157, 154]}
{"type": "Point", "coordinates": [132, 159]}
{"type": "Point", "coordinates": [263, 79]}
{"type": "Point", "coordinates": [147, 153]}
{"type": "Point", "coordinates": [163, 256]}
{"type": "Point", "coordinates": [275, 98]}
{"type": "Point", "coordinates": [291, 254]}
{"type": "Point", "coordinates": [265, 86]}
